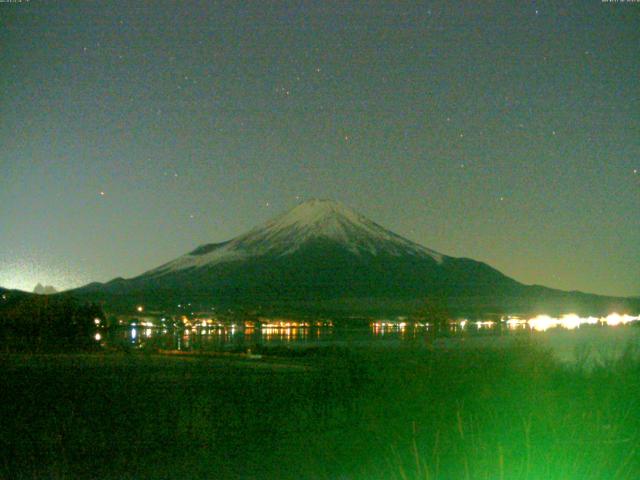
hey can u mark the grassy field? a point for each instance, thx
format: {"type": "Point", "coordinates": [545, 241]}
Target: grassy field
{"type": "Point", "coordinates": [510, 413]}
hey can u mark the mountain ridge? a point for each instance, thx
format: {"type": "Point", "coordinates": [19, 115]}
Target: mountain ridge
{"type": "Point", "coordinates": [323, 253]}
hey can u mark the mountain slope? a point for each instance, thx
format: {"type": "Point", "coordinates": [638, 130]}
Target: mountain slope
{"type": "Point", "coordinates": [323, 256]}
{"type": "Point", "coordinates": [312, 221]}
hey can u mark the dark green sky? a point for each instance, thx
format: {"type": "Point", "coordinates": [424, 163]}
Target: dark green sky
{"type": "Point", "coordinates": [508, 132]}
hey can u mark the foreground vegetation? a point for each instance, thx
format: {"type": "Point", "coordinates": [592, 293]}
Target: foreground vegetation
{"type": "Point", "coordinates": [328, 413]}
{"type": "Point", "coordinates": [46, 323]}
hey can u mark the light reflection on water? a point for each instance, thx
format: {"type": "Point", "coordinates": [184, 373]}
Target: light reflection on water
{"type": "Point", "coordinates": [222, 338]}
{"type": "Point", "coordinates": [207, 334]}
{"type": "Point", "coordinates": [604, 337]}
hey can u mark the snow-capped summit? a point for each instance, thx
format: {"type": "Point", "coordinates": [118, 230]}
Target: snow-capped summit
{"type": "Point", "coordinates": [322, 257]}
{"type": "Point", "coordinates": [317, 219]}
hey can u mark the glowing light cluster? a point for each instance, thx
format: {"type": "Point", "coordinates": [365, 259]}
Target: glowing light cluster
{"type": "Point", "coordinates": [285, 324]}
{"type": "Point", "coordinates": [539, 323]}
{"type": "Point", "coordinates": [617, 319]}
{"type": "Point", "coordinates": [569, 321]}
{"type": "Point", "coordinates": [515, 322]}
{"type": "Point", "coordinates": [543, 322]}
{"type": "Point", "coordinates": [391, 325]}
{"type": "Point", "coordinates": [485, 324]}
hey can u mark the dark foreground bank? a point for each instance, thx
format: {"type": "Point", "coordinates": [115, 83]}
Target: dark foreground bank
{"type": "Point", "coordinates": [329, 413]}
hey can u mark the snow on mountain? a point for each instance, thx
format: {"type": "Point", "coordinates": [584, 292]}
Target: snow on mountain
{"type": "Point", "coordinates": [324, 258]}
{"type": "Point", "coordinates": [289, 232]}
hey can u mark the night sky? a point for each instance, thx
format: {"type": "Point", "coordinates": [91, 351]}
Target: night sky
{"type": "Point", "coordinates": [508, 132]}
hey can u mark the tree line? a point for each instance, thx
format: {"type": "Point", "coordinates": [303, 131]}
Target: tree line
{"type": "Point", "coordinates": [46, 322]}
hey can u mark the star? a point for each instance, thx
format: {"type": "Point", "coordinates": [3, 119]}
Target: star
{"type": "Point", "coordinates": [102, 194]}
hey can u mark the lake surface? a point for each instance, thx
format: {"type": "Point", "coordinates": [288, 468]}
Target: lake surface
{"type": "Point", "coordinates": [595, 342]}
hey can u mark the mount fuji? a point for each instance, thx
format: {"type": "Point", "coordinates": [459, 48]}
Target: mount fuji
{"type": "Point", "coordinates": [315, 221]}
{"type": "Point", "coordinates": [324, 257]}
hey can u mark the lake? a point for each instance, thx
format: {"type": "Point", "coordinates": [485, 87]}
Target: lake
{"type": "Point", "coordinates": [595, 342]}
